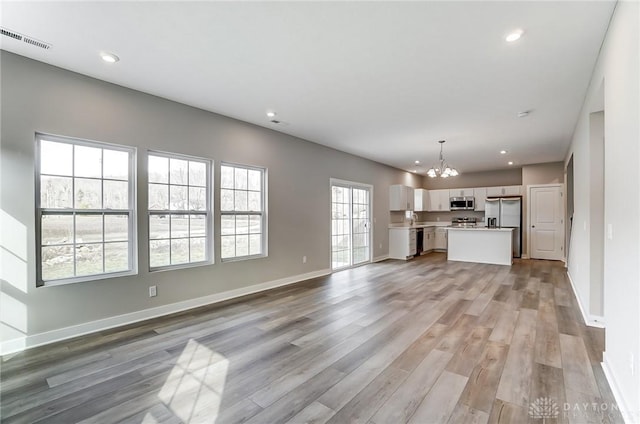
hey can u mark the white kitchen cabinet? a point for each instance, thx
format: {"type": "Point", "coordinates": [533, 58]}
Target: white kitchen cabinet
{"type": "Point", "coordinates": [402, 243]}
{"type": "Point", "coordinates": [480, 195]}
{"type": "Point", "coordinates": [460, 192]}
{"type": "Point", "coordinates": [504, 191]}
{"type": "Point", "coordinates": [440, 242]}
{"type": "Point", "coordinates": [438, 200]}
{"type": "Point", "coordinates": [421, 200]}
{"type": "Point", "coordinates": [400, 198]}
{"type": "Point", "coordinates": [429, 239]}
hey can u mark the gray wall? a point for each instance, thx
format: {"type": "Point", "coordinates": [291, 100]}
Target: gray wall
{"type": "Point", "coordinates": [40, 98]}
{"type": "Point", "coordinates": [503, 177]}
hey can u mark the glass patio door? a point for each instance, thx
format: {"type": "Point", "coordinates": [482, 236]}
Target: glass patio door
{"type": "Point", "coordinates": [350, 224]}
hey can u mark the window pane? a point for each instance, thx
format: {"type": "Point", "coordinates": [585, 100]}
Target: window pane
{"type": "Point", "coordinates": [179, 226]}
{"type": "Point", "coordinates": [255, 224]}
{"type": "Point", "coordinates": [158, 197]}
{"type": "Point", "coordinates": [89, 259]}
{"type": "Point", "coordinates": [242, 245]}
{"type": "Point", "coordinates": [254, 201]}
{"type": "Point", "coordinates": [158, 253]}
{"type": "Point", "coordinates": [55, 192]}
{"type": "Point", "coordinates": [240, 201]}
{"type": "Point", "coordinates": [255, 244]}
{"type": "Point", "coordinates": [255, 178]}
{"type": "Point", "coordinates": [228, 225]}
{"type": "Point", "coordinates": [197, 174]}
{"type": "Point", "coordinates": [88, 194]}
{"type": "Point", "coordinates": [226, 200]}
{"type": "Point", "coordinates": [88, 228]}
{"type": "Point", "coordinates": [226, 177]}
{"type": "Point", "coordinates": [179, 251]}
{"type": "Point", "coordinates": [116, 195]}
{"type": "Point", "coordinates": [198, 250]}
{"type": "Point", "coordinates": [158, 169]}
{"type": "Point", "coordinates": [56, 158]}
{"type": "Point", "coordinates": [158, 226]}
{"type": "Point", "coordinates": [242, 224]}
{"type": "Point", "coordinates": [57, 262]}
{"type": "Point", "coordinates": [178, 196]}
{"type": "Point", "coordinates": [87, 162]}
{"type": "Point", "coordinates": [57, 229]}
{"type": "Point", "coordinates": [116, 227]}
{"type": "Point", "coordinates": [178, 168]}
{"type": "Point", "coordinates": [198, 226]}
{"type": "Point", "coordinates": [116, 257]}
{"type": "Point", "coordinates": [116, 164]}
{"type": "Point", "coordinates": [240, 179]}
{"type": "Point", "coordinates": [197, 199]}
{"type": "Point", "coordinates": [228, 247]}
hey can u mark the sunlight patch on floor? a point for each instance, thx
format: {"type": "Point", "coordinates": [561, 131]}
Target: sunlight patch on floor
{"type": "Point", "coordinates": [193, 391]}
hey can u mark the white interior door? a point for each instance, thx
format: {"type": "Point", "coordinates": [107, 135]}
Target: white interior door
{"type": "Point", "coordinates": [350, 224]}
{"type": "Point", "coordinates": [547, 222]}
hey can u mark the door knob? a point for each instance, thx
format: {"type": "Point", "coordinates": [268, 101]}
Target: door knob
{"type": "Point", "coordinates": [533, 226]}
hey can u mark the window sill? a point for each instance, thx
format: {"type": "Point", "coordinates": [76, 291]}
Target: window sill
{"type": "Point", "coordinates": [180, 266]}
{"type": "Point", "coordinates": [86, 279]}
{"type": "Point", "coordinates": [243, 258]}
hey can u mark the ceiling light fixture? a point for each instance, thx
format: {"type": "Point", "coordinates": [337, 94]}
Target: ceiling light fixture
{"type": "Point", "coordinates": [417, 162]}
{"type": "Point", "coordinates": [441, 169]}
{"type": "Point", "coordinates": [510, 163]}
{"type": "Point", "coordinates": [271, 114]}
{"type": "Point", "coordinates": [514, 36]}
{"type": "Point", "coordinates": [109, 57]}
{"type": "Point", "coordinates": [503, 152]}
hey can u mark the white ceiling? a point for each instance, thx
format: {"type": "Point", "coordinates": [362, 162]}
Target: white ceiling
{"type": "Point", "coordinates": [383, 80]}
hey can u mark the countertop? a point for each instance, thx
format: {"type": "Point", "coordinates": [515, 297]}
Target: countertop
{"type": "Point", "coordinates": [420, 225]}
{"type": "Point", "coordinates": [479, 229]}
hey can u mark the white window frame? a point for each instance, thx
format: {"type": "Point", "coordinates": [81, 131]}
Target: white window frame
{"type": "Point", "coordinates": [208, 213]}
{"type": "Point", "coordinates": [262, 213]}
{"type": "Point", "coordinates": [131, 212]}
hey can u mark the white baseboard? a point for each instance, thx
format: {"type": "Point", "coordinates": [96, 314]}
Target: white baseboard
{"type": "Point", "coordinates": [380, 258]}
{"type": "Point", "coordinates": [590, 320]}
{"type": "Point", "coordinates": [623, 406]}
{"type": "Point", "coordinates": [33, 340]}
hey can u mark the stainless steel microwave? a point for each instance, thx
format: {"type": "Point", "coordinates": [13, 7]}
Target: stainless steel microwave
{"type": "Point", "coordinates": [466, 203]}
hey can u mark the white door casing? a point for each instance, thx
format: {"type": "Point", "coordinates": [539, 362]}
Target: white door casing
{"type": "Point", "coordinates": [546, 222]}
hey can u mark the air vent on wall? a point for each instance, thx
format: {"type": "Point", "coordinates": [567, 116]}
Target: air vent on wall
{"type": "Point", "coordinates": [20, 37]}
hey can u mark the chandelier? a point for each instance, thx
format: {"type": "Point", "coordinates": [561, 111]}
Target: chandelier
{"type": "Point", "coordinates": [441, 169]}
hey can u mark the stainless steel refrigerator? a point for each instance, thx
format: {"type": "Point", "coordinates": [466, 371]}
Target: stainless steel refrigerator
{"type": "Point", "coordinates": [508, 214]}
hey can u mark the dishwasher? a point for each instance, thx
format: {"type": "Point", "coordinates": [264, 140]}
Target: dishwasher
{"type": "Point", "coordinates": [419, 241]}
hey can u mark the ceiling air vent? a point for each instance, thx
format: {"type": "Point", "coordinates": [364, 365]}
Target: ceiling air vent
{"type": "Point", "coordinates": [11, 34]}
{"type": "Point", "coordinates": [20, 37]}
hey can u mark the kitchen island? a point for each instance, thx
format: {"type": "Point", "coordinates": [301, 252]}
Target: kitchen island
{"type": "Point", "coordinates": [480, 244]}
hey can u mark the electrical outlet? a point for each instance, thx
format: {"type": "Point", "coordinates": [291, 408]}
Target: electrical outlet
{"type": "Point", "coordinates": [380, 245]}
{"type": "Point", "coordinates": [153, 291]}
{"type": "Point", "coordinates": [610, 231]}
{"type": "Point", "coordinates": [304, 259]}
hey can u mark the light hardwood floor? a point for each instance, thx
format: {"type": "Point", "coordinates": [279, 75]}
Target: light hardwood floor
{"type": "Point", "coordinates": [426, 341]}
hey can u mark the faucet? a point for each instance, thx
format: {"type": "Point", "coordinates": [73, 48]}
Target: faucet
{"type": "Point", "coordinates": [414, 218]}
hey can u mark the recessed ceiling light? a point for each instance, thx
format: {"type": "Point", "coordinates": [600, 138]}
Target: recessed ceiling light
{"type": "Point", "coordinates": [413, 170]}
{"type": "Point", "coordinates": [510, 163]}
{"type": "Point", "coordinates": [109, 57]}
{"type": "Point", "coordinates": [271, 114]}
{"type": "Point", "coordinates": [417, 162]}
{"type": "Point", "coordinates": [514, 36]}
{"type": "Point", "coordinates": [503, 152]}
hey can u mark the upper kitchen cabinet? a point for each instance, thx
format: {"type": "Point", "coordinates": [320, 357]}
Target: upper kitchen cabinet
{"type": "Point", "coordinates": [400, 198]}
{"type": "Point", "coordinates": [421, 200]}
{"type": "Point", "coordinates": [504, 191]}
{"type": "Point", "coordinates": [461, 192]}
{"type": "Point", "coordinates": [480, 195]}
{"type": "Point", "coordinates": [438, 200]}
